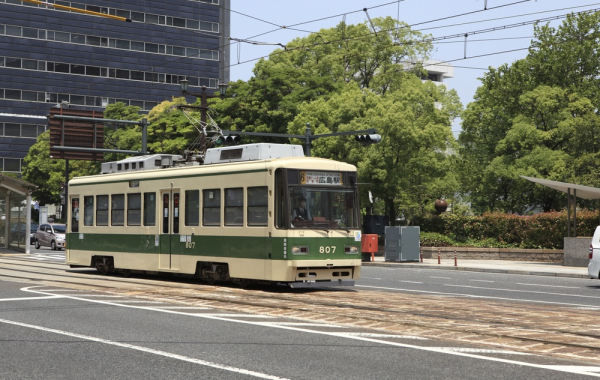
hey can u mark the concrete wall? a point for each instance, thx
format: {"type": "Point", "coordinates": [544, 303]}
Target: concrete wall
{"type": "Point", "coordinates": [577, 251]}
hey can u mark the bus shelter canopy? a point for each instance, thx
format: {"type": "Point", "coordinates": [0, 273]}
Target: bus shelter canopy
{"type": "Point", "coordinates": [572, 190]}
{"type": "Point", "coordinates": [584, 192]}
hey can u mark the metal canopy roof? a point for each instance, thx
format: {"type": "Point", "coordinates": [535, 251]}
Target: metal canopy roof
{"type": "Point", "coordinates": [584, 192]}
{"type": "Point", "coordinates": [17, 185]}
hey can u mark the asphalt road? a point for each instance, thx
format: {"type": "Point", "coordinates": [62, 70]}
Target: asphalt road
{"type": "Point", "coordinates": [49, 332]}
{"type": "Point", "coordinates": [569, 292]}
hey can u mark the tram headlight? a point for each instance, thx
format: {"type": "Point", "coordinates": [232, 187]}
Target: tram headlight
{"type": "Point", "coordinates": [300, 250]}
{"type": "Point", "coordinates": [351, 249]}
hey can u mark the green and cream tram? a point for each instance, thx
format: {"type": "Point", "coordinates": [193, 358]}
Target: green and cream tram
{"type": "Point", "coordinates": [252, 213]}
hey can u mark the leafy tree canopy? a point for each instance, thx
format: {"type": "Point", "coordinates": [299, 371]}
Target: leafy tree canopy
{"type": "Point", "coordinates": [537, 117]}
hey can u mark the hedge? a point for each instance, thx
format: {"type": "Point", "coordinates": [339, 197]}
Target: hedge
{"type": "Point", "coordinates": [507, 230]}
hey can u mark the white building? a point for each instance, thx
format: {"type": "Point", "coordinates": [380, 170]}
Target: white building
{"type": "Point", "coordinates": [437, 71]}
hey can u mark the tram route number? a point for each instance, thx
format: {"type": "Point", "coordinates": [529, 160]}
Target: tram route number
{"type": "Point", "coordinates": [327, 249]}
{"type": "Point", "coordinates": [190, 244]}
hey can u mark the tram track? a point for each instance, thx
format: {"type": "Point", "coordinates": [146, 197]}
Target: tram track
{"type": "Point", "coordinates": [540, 329]}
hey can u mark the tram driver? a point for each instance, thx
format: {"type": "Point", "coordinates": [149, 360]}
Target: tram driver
{"type": "Point", "coordinates": [301, 212]}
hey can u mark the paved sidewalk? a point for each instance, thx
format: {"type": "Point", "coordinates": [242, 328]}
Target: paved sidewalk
{"type": "Point", "coordinates": [492, 266]}
{"type": "Point", "coordinates": [6, 251]}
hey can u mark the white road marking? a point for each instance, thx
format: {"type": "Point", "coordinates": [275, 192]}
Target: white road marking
{"type": "Point", "coordinates": [482, 351]}
{"type": "Point", "coordinates": [307, 324]}
{"type": "Point", "coordinates": [133, 301]}
{"type": "Point", "coordinates": [579, 367]}
{"type": "Point", "coordinates": [551, 286]}
{"type": "Point", "coordinates": [370, 335]}
{"type": "Point", "coordinates": [30, 298]}
{"type": "Point", "coordinates": [521, 291]}
{"type": "Point", "coordinates": [181, 307]}
{"type": "Point", "coordinates": [238, 315]}
{"type": "Point", "coordinates": [450, 294]}
{"type": "Point", "coordinates": [482, 281]}
{"type": "Point", "coordinates": [98, 295]}
{"type": "Point", "coordinates": [445, 278]}
{"type": "Point", "coordinates": [146, 350]}
{"type": "Point", "coordinates": [567, 369]}
{"type": "Point", "coordinates": [411, 282]}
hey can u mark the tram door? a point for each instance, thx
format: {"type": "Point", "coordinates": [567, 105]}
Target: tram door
{"type": "Point", "coordinates": [169, 228]}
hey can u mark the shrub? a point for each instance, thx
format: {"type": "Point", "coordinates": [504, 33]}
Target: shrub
{"type": "Point", "coordinates": [504, 230]}
{"type": "Point", "coordinates": [434, 239]}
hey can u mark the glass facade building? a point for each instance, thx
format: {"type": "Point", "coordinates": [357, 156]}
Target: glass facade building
{"type": "Point", "coordinates": [49, 56]}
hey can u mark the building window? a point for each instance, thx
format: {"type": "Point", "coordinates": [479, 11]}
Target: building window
{"type": "Point", "coordinates": [12, 165]}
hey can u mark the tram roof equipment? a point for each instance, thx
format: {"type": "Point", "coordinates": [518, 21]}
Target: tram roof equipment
{"type": "Point", "coordinates": [251, 152]}
{"type": "Point", "coordinates": [240, 153]}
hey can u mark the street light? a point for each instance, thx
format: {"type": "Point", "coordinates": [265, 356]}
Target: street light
{"type": "Point", "coordinates": [184, 84]}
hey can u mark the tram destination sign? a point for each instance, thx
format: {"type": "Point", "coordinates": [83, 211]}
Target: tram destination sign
{"type": "Point", "coordinates": [320, 178]}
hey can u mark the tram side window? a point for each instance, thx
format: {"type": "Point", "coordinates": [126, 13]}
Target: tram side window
{"type": "Point", "coordinates": [74, 214]}
{"type": "Point", "coordinates": [234, 207]}
{"type": "Point", "coordinates": [258, 206]}
{"type": "Point", "coordinates": [211, 207]}
{"type": "Point", "coordinates": [117, 210]}
{"type": "Point", "coordinates": [134, 209]}
{"type": "Point", "coordinates": [149, 209]}
{"type": "Point", "coordinates": [192, 208]}
{"type": "Point", "coordinates": [279, 199]}
{"type": "Point", "coordinates": [88, 210]}
{"type": "Point", "coordinates": [102, 210]}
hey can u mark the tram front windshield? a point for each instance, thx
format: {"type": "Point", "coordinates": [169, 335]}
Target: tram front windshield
{"type": "Point", "coordinates": [323, 208]}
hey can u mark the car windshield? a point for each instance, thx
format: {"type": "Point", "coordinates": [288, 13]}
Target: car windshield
{"type": "Point", "coordinates": [59, 229]}
{"type": "Point", "coordinates": [323, 208]}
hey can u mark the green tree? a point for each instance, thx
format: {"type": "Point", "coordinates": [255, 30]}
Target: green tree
{"type": "Point", "coordinates": [537, 117]}
{"type": "Point", "coordinates": [49, 174]}
{"type": "Point", "coordinates": [319, 66]}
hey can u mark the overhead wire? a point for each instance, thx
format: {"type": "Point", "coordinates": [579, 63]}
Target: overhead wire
{"type": "Point", "coordinates": [369, 34]}
{"type": "Point", "coordinates": [457, 35]}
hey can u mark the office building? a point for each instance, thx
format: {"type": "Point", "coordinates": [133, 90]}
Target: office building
{"type": "Point", "coordinates": [50, 56]}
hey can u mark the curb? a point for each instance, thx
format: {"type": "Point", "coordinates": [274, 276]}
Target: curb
{"type": "Point", "coordinates": [471, 269]}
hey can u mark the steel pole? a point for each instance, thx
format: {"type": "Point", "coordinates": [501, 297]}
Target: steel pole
{"type": "Point", "coordinates": [144, 136]}
{"type": "Point", "coordinates": [307, 140]}
{"type": "Point", "coordinates": [66, 204]}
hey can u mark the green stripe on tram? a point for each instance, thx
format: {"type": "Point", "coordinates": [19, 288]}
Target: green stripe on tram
{"type": "Point", "coordinates": [247, 247]}
{"type": "Point", "coordinates": [99, 182]}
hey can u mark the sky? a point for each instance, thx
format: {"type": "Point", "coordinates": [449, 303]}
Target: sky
{"type": "Point", "coordinates": [253, 17]}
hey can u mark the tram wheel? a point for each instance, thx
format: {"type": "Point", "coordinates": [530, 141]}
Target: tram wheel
{"type": "Point", "coordinates": [243, 283]}
{"type": "Point", "coordinates": [126, 273]}
{"type": "Point", "coordinates": [104, 265]}
{"type": "Point", "coordinates": [102, 268]}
